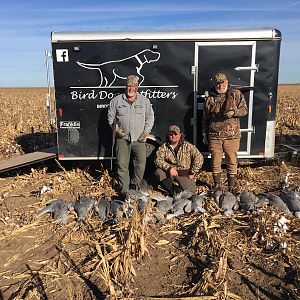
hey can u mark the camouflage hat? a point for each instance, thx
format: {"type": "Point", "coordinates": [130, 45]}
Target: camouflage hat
{"type": "Point", "coordinates": [174, 128]}
{"type": "Point", "coordinates": [132, 80]}
{"type": "Point", "coordinates": [220, 77]}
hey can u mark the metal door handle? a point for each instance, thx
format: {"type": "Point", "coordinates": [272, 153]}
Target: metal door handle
{"type": "Point", "coordinates": [205, 95]}
{"type": "Point", "coordinates": [247, 129]}
{"type": "Point", "coordinates": [255, 68]}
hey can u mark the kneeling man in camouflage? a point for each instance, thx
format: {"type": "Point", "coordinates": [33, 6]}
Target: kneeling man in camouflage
{"type": "Point", "coordinates": [177, 161]}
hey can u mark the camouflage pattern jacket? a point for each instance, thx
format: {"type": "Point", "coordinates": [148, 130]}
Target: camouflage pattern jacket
{"type": "Point", "coordinates": [185, 158]}
{"type": "Point", "coordinates": [215, 124]}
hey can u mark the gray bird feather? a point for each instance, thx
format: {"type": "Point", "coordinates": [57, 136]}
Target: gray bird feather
{"type": "Point", "coordinates": [276, 201]}
{"type": "Point", "coordinates": [178, 208]}
{"type": "Point", "coordinates": [158, 197]}
{"type": "Point", "coordinates": [188, 207]}
{"type": "Point", "coordinates": [139, 197]}
{"type": "Point", "coordinates": [83, 205]}
{"type": "Point", "coordinates": [103, 208]}
{"type": "Point", "coordinates": [119, 207]}
{"type": "Point", "coordinates": [134, 195]}
{"type": "Point", "coordinates": [185, 194]}
{"type": "Point", "coordinates": [142, 205]}
{"type": "Point", "coordinates": [216, 196]}
{"type": "Point", "coordinates": [227, 203]}
{"type": "Point", "coordinates": [291, 199]}
{"type": "Point", "coordinates": [197, 203]}
{"type": "Point", "coordinates": [165, 205]}
{"type": "Point", "coordinates": [59, 210]}
{"type": "Point", "coordinates": [262, 201]}
{"type": "Point", "coordinates": [247, 200]}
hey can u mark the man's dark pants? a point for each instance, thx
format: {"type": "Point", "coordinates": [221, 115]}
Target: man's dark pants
{"type": "Point", "coordinates": [124, 149]}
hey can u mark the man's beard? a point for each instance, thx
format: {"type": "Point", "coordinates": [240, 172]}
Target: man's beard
{"type": "Point", "coordinates": [222, 91]}
{"type": "Point", "coordinates": [131, 94]}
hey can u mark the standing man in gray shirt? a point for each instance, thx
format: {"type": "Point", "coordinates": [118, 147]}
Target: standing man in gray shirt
{"type": "Point", "coordinates": [131, 116]}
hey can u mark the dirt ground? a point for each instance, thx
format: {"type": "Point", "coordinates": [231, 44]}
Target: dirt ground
{"type": "Point", "coordinates": [195, 256]}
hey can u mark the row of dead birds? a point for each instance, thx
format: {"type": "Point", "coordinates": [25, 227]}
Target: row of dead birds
{"type": "Point", "coordinates": [110, 209]}
{"type": "Point", "coordinates": [166, 207]}
{"type": "Point", "coordinates": [288, 201]}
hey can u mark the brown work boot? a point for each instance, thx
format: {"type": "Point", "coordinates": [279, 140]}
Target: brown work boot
{"type": "Point", "coordinates": [217, 181]}
{"type": "Point", "coordinates": [231, 183]}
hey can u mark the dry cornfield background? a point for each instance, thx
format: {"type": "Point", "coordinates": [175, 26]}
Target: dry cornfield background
{"type": "Point", "coordinates": [206, 256]}
{"type": "Point", "coordinates": [25, 125]}
{"type": "Point", "coordinates": [287, 118]}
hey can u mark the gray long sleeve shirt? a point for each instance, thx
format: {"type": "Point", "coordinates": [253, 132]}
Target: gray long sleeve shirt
{"type": "Point", "coordinates": [135, 118]}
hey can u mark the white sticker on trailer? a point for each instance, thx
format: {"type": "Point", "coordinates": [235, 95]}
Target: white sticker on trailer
{"type": "Point", "coordinates": [62, 55]}
{"type": "Point", "coordinates": [69, 124]}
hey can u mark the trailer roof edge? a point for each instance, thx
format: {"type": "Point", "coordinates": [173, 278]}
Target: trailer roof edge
{"type": "Point", "coordinates": [207, 34]}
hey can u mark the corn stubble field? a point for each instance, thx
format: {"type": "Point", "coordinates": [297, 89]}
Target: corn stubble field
{"type": "Point", "coordinates": [196, 256]}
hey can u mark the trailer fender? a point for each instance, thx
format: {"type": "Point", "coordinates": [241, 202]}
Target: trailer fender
{"type": "Point", "coordinates": [152, 143]}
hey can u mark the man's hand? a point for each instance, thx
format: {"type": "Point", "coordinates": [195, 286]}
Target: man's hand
{"type": "Point", "coordinates": [204, 138]}
{"type": "Point", "coordinates": [120, 133]}
{"type": "Point", "coordinates": [143, 137]}
{"type": "Point", "coordinates": [229, 114]}
{"type": "Point", "coordinates": [191, 176]}
{"type": "Point", "coordinates": [173, 172]}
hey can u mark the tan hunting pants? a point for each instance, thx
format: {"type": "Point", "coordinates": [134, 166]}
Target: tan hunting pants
{"type": "Point", "coordinates": [184, 182]}
{"type": "Point", "coordinates": [230, 149]}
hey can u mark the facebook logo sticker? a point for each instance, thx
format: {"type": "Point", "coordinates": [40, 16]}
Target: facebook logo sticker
{"type": "Point", "coordinates": [62, 55]}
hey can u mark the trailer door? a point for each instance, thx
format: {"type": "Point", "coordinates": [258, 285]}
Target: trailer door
{"type": "Point", "coordinates": [237, 61]}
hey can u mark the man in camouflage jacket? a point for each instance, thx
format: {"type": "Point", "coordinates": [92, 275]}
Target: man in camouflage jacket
{"type": "Point", "coordinates": [177, 160]}
{"type": "Point", "coordinates": [221, 127]}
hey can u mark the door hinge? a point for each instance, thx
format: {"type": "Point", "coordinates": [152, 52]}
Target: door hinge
{"type": "Point", "coordinates": [193, 70]}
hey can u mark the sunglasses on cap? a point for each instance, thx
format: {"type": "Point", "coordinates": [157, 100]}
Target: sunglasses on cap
{"type": "Point", "coordinates": [173, 133]}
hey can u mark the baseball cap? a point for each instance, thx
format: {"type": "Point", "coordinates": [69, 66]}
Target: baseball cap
{"type": "Point", "coordinates": [132, 80]}
{"type": "Point", "coordinates": [174, 128]}
{"type": "Point", "coordinates": [220, 77]}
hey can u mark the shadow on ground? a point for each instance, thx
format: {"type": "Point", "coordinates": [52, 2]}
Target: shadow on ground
{"type": "Point", "coordinates": [36, 141]}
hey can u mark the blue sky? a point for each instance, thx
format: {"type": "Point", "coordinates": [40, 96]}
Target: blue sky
{"type": "Point", "coordinates": [26, 26]}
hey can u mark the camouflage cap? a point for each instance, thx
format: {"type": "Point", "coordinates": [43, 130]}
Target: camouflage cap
{"type": "Point", "coordinates": [220, 77]}
{"type": "Point", "coordinates": [132, 80]}
{"type": "Point", "coordinates": [174, 128]}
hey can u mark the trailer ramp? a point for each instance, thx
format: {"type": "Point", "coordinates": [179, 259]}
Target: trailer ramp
{"type": "Point", "coordinates": [27, 159]}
